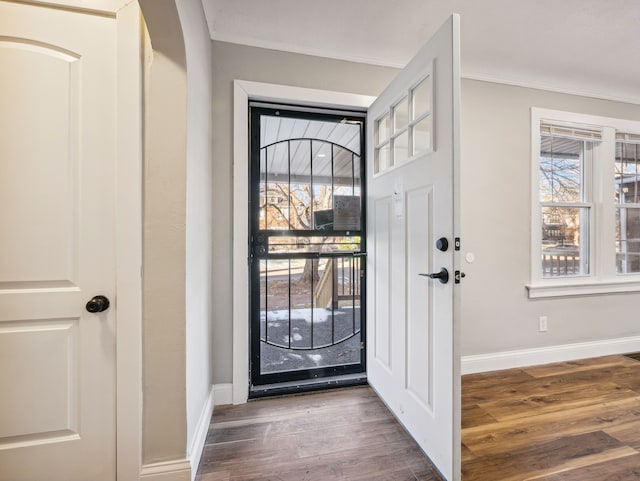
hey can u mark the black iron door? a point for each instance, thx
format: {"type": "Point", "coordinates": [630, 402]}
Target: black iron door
{"type": "Point", "coordinates": [307, 244]}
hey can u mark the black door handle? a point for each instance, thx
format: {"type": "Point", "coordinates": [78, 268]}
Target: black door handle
{"type": "Point", "coordinates": [98, 304]}
{"type": "Point", "coordinates": [442, 276]}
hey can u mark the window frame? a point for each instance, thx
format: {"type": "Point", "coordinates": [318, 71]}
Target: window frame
{"type": "Point", "coordinates": [585, 202]}
{"type": "Point", "coordinates": [627, 138]}
{"type": "Point", "coordinates": [602, 277]}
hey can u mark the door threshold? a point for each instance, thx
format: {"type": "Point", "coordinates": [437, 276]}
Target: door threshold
{"type": "Point", "coordinates": [307, 385]}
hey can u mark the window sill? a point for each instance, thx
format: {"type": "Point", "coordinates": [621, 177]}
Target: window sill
{"type": "Point", "coordinates": [538, 291]}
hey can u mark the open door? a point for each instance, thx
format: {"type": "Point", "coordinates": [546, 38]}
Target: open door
{"type": "Point", "coordinates": [412, 151]}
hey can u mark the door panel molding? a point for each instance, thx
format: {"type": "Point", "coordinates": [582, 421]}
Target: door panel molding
{"type": "Point", "coordinates": [419, 319]}
{"type": "Point", "coordinates": [382, 335]}
{"type": "Point", "coordinates": [22, 422]}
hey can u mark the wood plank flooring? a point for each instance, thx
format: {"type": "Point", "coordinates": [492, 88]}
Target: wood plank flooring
{"type": "Point", "coordinates": [572, 421]}
{"type": "Point", "coordinates": [343, 434]}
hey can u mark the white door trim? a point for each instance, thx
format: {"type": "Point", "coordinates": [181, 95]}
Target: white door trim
{"type": "Point", "coordinates": [244, 91]}
{"type": "Point", "coordinates": [129, 246]}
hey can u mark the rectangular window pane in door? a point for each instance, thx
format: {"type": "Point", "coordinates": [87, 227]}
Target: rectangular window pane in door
{"type": "Point", "coordinates": [382, 130]}
{"type": "Point", "coordinates": [401, 148]}
{"type": "Point", "coordinates": [400, 115]}
{"type": "Point", "coordinates": [421, 96]}
{"type": "Point", "coordinates": [383, 160]}
{"type": "Point", "coordinates": [422, 136]}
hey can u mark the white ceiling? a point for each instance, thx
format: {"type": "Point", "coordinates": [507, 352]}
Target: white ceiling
{"type": "Point", "coordinates": [590, 47]}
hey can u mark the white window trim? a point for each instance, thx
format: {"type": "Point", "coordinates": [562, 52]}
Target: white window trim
{"type": "Point", "coordinates": [602, 278]}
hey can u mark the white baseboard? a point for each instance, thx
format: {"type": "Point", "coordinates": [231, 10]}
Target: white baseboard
{"type": "Point", "coordinates": [545, 355]}
{"type": "Point", "coordinates": [222, 394]}
{"type": "Point", "coordinates": [175, 470]}
{"type": "Point", "coordinates": [200, 435]}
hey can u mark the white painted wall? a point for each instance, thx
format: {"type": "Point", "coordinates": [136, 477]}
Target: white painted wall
{"type": "Point", "coordinates": [495, 175]}
{"type": "Point", "coordinates": [199, 221]}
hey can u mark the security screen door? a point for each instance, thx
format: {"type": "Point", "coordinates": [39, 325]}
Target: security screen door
{"type": "Point", "coordinates": [307, 242]}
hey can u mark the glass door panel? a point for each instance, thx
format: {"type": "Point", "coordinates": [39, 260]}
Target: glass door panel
{"type": "Point", "coordinates": [307, 243]}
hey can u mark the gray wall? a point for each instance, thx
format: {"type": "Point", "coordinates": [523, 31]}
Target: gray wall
{"type": "Point", "coordinates": [233, 62]}
{"type": "Point", "coordinates": [496, 179]}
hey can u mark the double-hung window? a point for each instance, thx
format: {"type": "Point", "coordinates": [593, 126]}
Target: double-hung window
{"type": "Point", "coordinates": [586, 204]}
{"type": "Point", "coordinates": [627, 197]}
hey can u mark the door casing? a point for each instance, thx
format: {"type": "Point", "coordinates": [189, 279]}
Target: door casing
{"type": "Point", "coordinates": [243, 92]}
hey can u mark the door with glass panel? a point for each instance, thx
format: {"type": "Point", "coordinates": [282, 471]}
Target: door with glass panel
{"type": "Point", "coordinates": [307, 244]}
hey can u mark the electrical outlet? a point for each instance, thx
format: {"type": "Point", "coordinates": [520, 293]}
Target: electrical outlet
{"type": "Point", "coordinates": [542, 324]}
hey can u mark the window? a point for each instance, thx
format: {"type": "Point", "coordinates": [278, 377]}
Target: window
{"type": "Point", "coordinates": [586, 204]}
{"type": "Point", "coordinates": [565, 170]}
{"type": "Point", "coordinates": [627, 195]}
{"type": "Point", "coordinates": [406, 131]}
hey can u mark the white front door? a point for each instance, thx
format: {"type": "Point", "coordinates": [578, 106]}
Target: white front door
{"type": "Point", "coordinates": [57, 180]}
{"type": "Point", "coordinates": [412, 140]}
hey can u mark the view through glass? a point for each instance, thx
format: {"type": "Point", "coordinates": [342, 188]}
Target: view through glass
{"type": "Point", "coordinates": [307, 245]}
{"type": "Point", "coordinates": [565, 207]}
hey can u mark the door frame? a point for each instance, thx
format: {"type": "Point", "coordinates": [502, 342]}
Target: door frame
{"type": "Point", "coordinates": [243, 91]}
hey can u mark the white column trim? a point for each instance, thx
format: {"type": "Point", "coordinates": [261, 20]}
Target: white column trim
{"type": "Point", "coordinates": [129, 245]}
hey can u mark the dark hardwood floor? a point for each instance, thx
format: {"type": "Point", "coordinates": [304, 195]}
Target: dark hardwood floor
{"type": "Point", "coordinates": [342, 434]}
{"type": "Point", "coordinates": [572, 421]}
